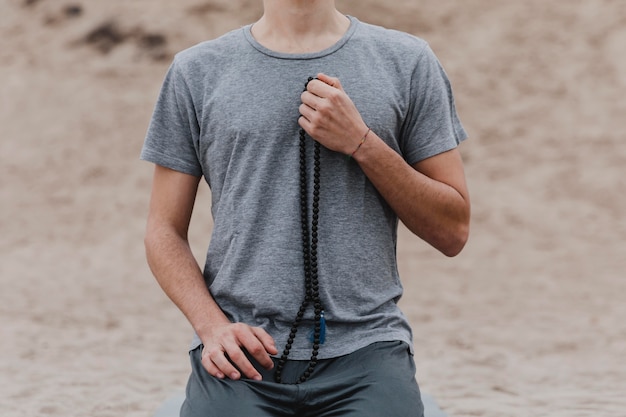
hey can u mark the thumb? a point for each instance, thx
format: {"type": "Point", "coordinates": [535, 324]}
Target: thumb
{"type": "Point", "coordinates": [332, 81]}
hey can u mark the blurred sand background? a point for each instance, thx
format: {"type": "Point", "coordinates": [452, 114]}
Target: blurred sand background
{"type": "Point", "coordinates": [529, 320]}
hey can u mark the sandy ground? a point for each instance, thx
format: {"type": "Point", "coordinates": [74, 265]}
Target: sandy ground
{"type": "Point", "coordinates": [528, 320]}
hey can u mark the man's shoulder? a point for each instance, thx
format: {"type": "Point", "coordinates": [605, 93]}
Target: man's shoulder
{"type": "Point", "coordinates": [395, 41]}
{"type": "Point", "coordinates": [210, 50]}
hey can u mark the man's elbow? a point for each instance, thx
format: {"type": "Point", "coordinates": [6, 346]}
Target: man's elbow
{"type": "Point", "coordinates": [150, 243]}
{"type": "Point", "coordinates": [455, 241]}
{"type": "Point", "coordinates": [151, 233]}
{"type": "Point", "coordinates": [155, 237]}
{"type": "Point", "coordinates": [162, 236]}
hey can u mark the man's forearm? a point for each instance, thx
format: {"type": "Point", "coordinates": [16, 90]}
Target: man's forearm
{"type": "Point", "coordinates": [177, 272]}
{"type": "Point", "coordinates": [433, 210]}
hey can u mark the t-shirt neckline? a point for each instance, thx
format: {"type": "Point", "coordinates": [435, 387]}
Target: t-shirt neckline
{"type": "Point", "coordinates": [247, 30]}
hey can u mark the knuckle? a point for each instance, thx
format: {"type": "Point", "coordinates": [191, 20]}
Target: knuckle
{"type": "Point", "coordinates": [256, 349]}
{"type": "Point", "coordinates": [214, 351]}
{"type": "Point", "coordinates": [334, 97]}
{"type": "Point", "coordinates": [319, 116]}
{"type": "Point", "coordinates": [326, 108]}
{"type": "Point", "coordinates": [238, 328]}
{"type": "Point", "coordinates": [236, 355]}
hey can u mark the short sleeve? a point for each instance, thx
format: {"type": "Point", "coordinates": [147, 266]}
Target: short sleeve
{"type": "Point", "coordinates": [173, 135]}
{"type": "Point", "coordinates": [432, 125]}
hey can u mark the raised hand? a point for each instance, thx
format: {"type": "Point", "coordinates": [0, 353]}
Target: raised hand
{"type": "Point", "coordinates": [330, 117]}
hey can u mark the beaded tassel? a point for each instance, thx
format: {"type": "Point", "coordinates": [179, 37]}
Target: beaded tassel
{"type": "Point", "coordinates": [322, 330]}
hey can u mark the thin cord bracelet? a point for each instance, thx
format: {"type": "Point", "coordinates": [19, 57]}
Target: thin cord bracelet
{"type": "Point", "coordinates": [360, 144]}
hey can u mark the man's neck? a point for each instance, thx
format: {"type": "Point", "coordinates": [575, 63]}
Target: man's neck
{"type": "Point", "coordinates": [300, 26]}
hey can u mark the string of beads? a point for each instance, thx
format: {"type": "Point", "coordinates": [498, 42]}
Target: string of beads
{"type": "Point", "coordinates": [309, 253]}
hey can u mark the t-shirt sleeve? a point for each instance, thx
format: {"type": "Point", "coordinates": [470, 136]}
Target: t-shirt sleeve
{"type": "Point", "coordinates": [432, 126]}
{"type": "Point", "coordinates": [173, 135]}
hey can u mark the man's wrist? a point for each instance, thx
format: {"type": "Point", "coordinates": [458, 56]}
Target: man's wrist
{"type": "Point", "coordinates": [372, 149]}
{"type": "Point", "coordinates": [363, 139]}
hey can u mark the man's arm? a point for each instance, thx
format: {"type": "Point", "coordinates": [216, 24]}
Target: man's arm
{"type": "Point", "coordinates": [430, 198]}
{"type": "Point", "coordinates": [177, 272]}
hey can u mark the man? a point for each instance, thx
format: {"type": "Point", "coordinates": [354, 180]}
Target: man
{"type": "Point", "coordinates": [295, 312]}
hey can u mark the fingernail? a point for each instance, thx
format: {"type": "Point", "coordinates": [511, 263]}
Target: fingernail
{"type": "Point", "coordinates": [257, 378]}
{"type": "Point", "coordinates": [234, 375]}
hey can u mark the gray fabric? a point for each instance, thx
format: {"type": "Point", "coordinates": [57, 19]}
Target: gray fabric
{"type": "Point", "coordinates": [378, 380]}
{"type": "Point", "coordinates": [171, 407]}
{"type": "Point", "coordinates": [228, 110]}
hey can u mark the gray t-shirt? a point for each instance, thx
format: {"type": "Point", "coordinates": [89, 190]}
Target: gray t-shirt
{"type": "Point", "coordinates": [228, 111]}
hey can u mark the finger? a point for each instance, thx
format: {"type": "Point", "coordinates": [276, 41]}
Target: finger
{"type": "Point", "coordinates": [268, 348]}
{"type": "Point", "coordinates": [305, 124]}
{"type": "Point", "coordinates": [217, 364]}
{"type": "Point", "coordinates": [212, 369]}
{"type": "Point", "coordinates": [307, 112]}
{"type": "Point", "coordinates": [239, 359]}
{"type": "Point", "coordinates": [312, 100]}
{"type": "Point", "coordinates": [266, 339]}
{"type": "Point", "coordinates": [254, 342]}
{"type": "Point", "coordinates": [307, 121]}
{"type": "Point", "coordinates": [320, 88]}
{"type": "Point", "coordinates": [331, 81]}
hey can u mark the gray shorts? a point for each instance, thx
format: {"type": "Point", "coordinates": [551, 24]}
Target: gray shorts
{"type": "Point", "coordinates": [378, 380]}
